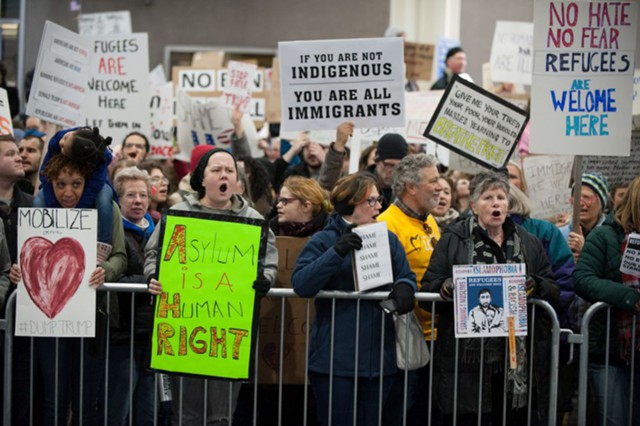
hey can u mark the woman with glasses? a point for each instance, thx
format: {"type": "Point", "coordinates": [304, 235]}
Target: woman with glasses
{"type": "Point", "coordinates": [343, 328]}
{"type": "Point", "coordinates": [159, 187]}
{"type": "Point", "coordinates": [303, 207]}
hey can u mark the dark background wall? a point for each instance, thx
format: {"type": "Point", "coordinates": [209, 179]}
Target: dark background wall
{"type": "Point", "coordinates": [255, 23]}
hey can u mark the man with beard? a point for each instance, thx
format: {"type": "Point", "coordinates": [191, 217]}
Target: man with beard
{"type": "Point", "coordinates": [30, 148]}
{"type": "Point", "coordinates": [415, 181]}
{"type": "Point", "coordinates": [485, 318]}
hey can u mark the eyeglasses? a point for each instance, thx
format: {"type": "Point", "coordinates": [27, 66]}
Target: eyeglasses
{"type": "Point", "coordinates": [135, 145]}
{"type": "Point", "coordinates": [132, 196]}
{"type": "Point", "coordinates": [373, 200]}
{"type": "Point", "coordinates": [285, 200]}
{"type": "Point", "coordinates": [159, 179]}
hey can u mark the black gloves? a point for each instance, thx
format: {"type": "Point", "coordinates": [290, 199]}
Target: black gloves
{"type": "Point", "coordinates": [530, 285]}
{"type": "Point", "coordinates": [349, 240]}
{"type": "Point", "coordinates": [404, 296]}
{"type": "Point", "coordinates": [261, 286]}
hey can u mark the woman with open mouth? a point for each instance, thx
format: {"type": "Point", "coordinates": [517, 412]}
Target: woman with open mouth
{"type": "Point", "coordinates": [159, 187]}
{"type": "Point", "coordinates": [489, 237]}
{"type": "Point", "coordinates": [215, 179]}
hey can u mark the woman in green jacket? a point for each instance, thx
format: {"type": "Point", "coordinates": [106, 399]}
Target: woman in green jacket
{"type": "Point", "coordinates": [598, 278]}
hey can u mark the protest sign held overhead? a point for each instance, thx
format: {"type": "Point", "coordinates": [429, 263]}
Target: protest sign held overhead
{"type": "Point", "coordinates": [476, 124]}
{"type": "Point", "coordinates": [57, 254]}
{"type": "Point", "coordinates": [512, 52]}
{"type": "Point", "coordinates": [547, 178]}
{"type": "Point", "coordinates": [207, 122]}
{"type": "Point", "coordinates": [95, 24]}
{"type": "Point", "coordinates": [583, 77]}
{"type": "Point", "coordinates": [618, 170]}
{"type": "Point", "coordinates": [418, 60]}
{"type": "Point", "coordinates": [237, 90]}
{"type": "Point", "coordinates": [6, 124]}
{"type": "Point", "coordinates": [326, 82]}
{"type": "Point", "coordinates": [118, 97]}
{"type": "Point", "coordinates": [204, 319]}
{"type": "Point", "coordinates": [62, 70]}
{"type": "Point", "coordinates": [161, 121]}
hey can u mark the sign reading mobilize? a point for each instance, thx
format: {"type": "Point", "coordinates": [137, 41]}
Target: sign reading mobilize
{"type": "Point", "coordinates": [476, 124]}
{"type": "Point", "coordinates": [583, 77]}
{"type": "Point", "coordinates": [326, 82]}
{"type": "Point", "coordinates": [205, 318]}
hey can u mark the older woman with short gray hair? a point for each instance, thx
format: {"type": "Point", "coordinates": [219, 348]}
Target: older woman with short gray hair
{"type": "Point", "coordinates": [488, 237]}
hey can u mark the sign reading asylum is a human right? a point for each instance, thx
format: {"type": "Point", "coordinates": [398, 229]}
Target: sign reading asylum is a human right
{"type": "Point", "coordinates": [326, 82]}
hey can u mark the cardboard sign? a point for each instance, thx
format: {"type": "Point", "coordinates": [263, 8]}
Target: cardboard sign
{"type": "Point", "coordinates": [161, 121]}
{"type": "Point", "coordinates": [202, 122]}
{"type": "Point", "coordinates": [372, 264]}
{"type": "Point", "coordinates": [618, 170]}
{"type": "Point", "coordinates": [294, 323]}
{"type": "Point", "coordinates": [59, 85]}
{"type": "Point", "coordinates": [213, 59]}
{"type": "Point", "coordinates": [512, 52]}
{"type": "Point", "coordinates": [210, 83]}
{"type": "Point", "coordinates": [96, 24]}
{"type": "Point", "coordinates": [476, 124]}
{"type": "Point", "coordinates": [548, 179]}
{"type": "Point", "coordinates": [418, 60]}
{"type": "Point", "coordinates": [326, 82]}
{"type": "Point", "coordinates": [237, 91]}
{"type": "Point", "coordinates": [582, 83]}
{"type": "Point", "coordinates": [6, 123]}
{"type": "Point", "coordinates": [118, 97]}
{"type": "Point", "coordinates": [630, 263]}
{"type": "Point", "coordinates": [486, 296]}
{"type": "Point", "coordinates": [273, 99]}
{"type": "Point", "coordinates": [57, 252]}
{"type": "Point", "coordinates": [204, 319]}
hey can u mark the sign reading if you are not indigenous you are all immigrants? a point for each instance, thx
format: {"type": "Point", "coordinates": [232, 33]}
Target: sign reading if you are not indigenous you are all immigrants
{"type": "Point", "coordinates": [205, 318]}
{"type": "Point", "coordinates": [326, 82]}
{"type": "Point", "coordinates": [476, 124]}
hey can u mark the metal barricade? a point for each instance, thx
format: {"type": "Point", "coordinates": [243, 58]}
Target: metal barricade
{"type": "Point", "coordinates": [282, 413]}
{"type": "Point", "coordinates": [583, 378]}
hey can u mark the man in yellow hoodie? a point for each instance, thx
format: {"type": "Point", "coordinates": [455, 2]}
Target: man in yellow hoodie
{"type": "Point", "coordinates": [416, 189]}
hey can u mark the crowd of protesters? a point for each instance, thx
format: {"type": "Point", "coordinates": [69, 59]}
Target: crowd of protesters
{"type": "Point", "coordinates": [437, 218]}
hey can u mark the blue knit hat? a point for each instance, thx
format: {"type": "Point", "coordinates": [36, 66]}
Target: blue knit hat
{"type": "Point", "coordinates": [599, 184]}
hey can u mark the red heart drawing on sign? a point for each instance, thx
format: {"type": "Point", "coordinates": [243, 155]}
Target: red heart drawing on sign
{"type": "Point", "coordinates": [51, 272]}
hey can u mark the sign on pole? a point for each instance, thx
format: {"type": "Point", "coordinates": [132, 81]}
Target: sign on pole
{"type": "Point", "coordinates": [512, 52]}
{"type": "Point", "coordinates": [476, 124]}
{"type": "Point", "coordinates": [205, 318]}
{"type": "Point", "coordinates": [59, 87]}
{"type": "Point", "coordinates": [618, 170]}
{"type": "Point", "coordinates": [57, 254]}
{"type": "Point", "coordinates": [583, 77]}
{"type": "Point", "coordinates": [326, 82]}
{"type": "Point", "coordinates": [118, 96]}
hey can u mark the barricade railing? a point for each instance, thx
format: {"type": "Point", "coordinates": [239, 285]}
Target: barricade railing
{"type": "Point", "coordinates": [283, 295]}
{"type": "Point", "coordinates": [583, 379]}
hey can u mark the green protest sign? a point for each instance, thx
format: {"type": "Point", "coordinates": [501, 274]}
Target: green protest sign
{"type": "Point", "coordinates": [204, 319]}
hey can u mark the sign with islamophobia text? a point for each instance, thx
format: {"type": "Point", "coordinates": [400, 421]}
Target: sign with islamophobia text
{"type": "Point", "coordinates": [476, 124]}
{"type": "Point", "coordinates": [326, 82]}
{"type": "Point", "coordinates": [59, 85]}
{"type": "Point", "coordinates": [582, 86]}
{"type": "Point", "coordinates": [57, 254]}
{"type": "Point", "coordinates": [206, 317]}
{"type": "Point", "coordinates": [118, 98]}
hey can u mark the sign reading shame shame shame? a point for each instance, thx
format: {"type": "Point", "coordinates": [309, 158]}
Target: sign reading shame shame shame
{"type": "Point", "coordinates": [326, 82]}
{"type": "Point", "coordinates": [57, 254]}
{"type": "Point", "coordinates": [205, 318]}
{"type": "Point", "coordinates": [582, 84]}
{"type": "Point", "coordinates": [476, 124]}
{"type": "Point", "coordinates": [372, 264]}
